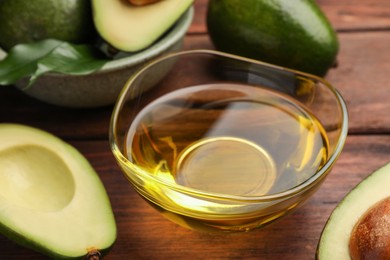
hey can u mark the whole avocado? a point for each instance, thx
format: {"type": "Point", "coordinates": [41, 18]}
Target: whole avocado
{"type": "Point", "coordinates": [29, 21]}
{"type": "Point", "coordinates": [294, 34]}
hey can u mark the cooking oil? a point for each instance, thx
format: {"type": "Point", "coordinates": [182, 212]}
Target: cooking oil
{"type": "Point", "coordinates": [227, 138]}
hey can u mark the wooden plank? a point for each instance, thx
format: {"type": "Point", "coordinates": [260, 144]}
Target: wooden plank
{"type": "Point", "coordinates": [145, 234]}
{"type": "Point", "coordinates": [198, 25]}
{"type": "Point", "coordinates": [348, 15]}
{"type": "Point", "coordinates": [357, 15]}
{"type": "Point", "coordinates": [16, 107]}
{"type": "Point", "coordinates": [361, 77]}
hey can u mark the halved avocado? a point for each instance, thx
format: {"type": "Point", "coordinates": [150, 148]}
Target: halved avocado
{"type": "Point", "coordinates": [132, 28]}
{"type": "Point", "coordinates": [51, 199]}
{"type": "Point", "coordinates": [351, 212]}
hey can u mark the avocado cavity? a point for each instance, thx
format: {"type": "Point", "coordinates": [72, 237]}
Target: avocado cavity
{"type": "Point", "coordinates": [51, 199]}
{"type": "Point", "coordinates": [35, 178]}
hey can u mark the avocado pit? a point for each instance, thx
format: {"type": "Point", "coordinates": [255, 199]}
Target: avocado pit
{"type": "Point", "coordinates": [360, 224]}
{"type": "Point", "coordinates": [370, 237]}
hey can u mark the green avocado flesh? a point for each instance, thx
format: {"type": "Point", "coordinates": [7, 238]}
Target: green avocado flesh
{"type": "Point", "coordinates": [293, 34]}
{"type": "Point", "coordinates": [131, 28]}
{"type": "Point", "coordinates": [29, 21]}
{"type": "Point", "coordinates": [334, 242]}
{"type": "Point", "coordinates": [51, 199]}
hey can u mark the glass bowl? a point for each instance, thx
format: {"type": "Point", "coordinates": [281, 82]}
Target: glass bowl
{"type": "Point", "coordinates": [222, 143]}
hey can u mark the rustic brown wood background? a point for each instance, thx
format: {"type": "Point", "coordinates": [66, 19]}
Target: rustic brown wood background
{"type": "Point", "coordinates": [363, 78]}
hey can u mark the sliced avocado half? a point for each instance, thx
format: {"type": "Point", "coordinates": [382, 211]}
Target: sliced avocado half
{"type": "Point", "coordinates": [51, 199]}
{"type": "Point", "coordinates": [132, 28]}
{"type": "Point", "coordinates": [335, 238]}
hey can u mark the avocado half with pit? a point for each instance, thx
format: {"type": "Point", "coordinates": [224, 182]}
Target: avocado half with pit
{"type": "Point", "coordinates": [51, 199]}
{"type": "Point", "coordinates": [359, 227]}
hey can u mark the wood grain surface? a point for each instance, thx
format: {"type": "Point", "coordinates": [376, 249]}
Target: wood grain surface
{"type": "Point", "coordinates": [362, 77]}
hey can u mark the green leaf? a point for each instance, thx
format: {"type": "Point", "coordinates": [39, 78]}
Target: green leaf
{"type": "Point", "coordinates": [21, 60]}
{"type": "Point", "coordinates": [35, 59]}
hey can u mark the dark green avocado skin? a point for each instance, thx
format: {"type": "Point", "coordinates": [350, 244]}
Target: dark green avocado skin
{"type": "Point", "coordinates": [294, 34]}
{"type": "Point", "coordinates": [30, 21]}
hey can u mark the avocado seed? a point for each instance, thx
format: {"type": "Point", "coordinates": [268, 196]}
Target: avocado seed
{"type": "Point", "coordinates": [370, 237]}
{"type": "Point", "coordinates": [142, 2]}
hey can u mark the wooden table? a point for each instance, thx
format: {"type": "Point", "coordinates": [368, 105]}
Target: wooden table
{"type": "Point", "coordinates": [363, 78]}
